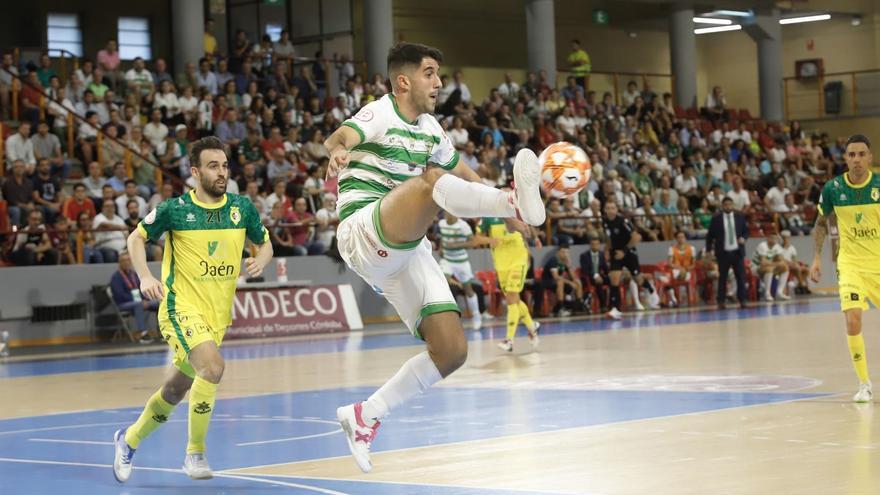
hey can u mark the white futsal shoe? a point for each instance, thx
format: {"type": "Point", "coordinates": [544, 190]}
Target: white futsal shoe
{"type": "Point", "coordinates": [122, 462]}
{"type": "Point", "coordinates": [527, 188]}
{"type": "Point", "coordinates": [506, 345]}
{"type": "Point", "coordinates": [614, 314]}
{"type": "Point", "coordinates": [865, 394]}
{"type": "Point", "coordinates": [533, 335]}
{"type": "Point", "coordinates": [196, 467]}
{"type": "Point", "coordinates": [358, 434]}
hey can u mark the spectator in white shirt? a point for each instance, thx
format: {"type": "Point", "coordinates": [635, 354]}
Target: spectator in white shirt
{"type": "Point", "coordinates": [458, 83]}
{"type": "Point", "coordinates": [166, 100]}
{"type": "Point", "coordinates": [155, 131]}
{"type": "Point", "coordinates": [740, 196]}
{"type": "Point", "coordinates": [566, 122]}
{"type": "Point", "coordinates": [508, 89]}
{"type": "Point", "coordinates": [110, 238]}
{"type": "Point", "coordinates": [20, 147]}
{"type": "Point", "coordinates": [686, 183]}
{"type": "Point", "coordinates": [131, 194]}
{"type": "Point", "coordinates": [629, 96]}
{"type": "Point", "coordinates": [458, 134]}
{"type": "Point", "coordinates": [775, 197]}
{"type": "Point", "coordinates": [139, 78]}
{"type": "Point", "coordinates": [328, 219]}
{"type": "Point", "coordinates": [718, 164]}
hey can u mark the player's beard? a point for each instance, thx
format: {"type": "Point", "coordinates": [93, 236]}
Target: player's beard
{"type": "Point", "coordinates": [212, 188]}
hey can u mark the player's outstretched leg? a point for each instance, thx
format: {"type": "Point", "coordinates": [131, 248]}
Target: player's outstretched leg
{"type": "Point", "coordinates": [473, 200]}
{"type": "Point", "coordinates": [447, 351]}
{"type": "Point", "coordinates": [208, 364]}
{"type": "Point", "coordinates": [155, 413]}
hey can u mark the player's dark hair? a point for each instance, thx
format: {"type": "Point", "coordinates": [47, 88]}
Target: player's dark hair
{"type": "Point", "coordinates": [403, 54]}
{"type": "Point", "coordinates": [858, 138]}
{"type": "Point", "coordinates": [206, 143]}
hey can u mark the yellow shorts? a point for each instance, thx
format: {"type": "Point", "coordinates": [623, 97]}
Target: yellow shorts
{"type": "Point", "coordinates": [856, 288]}
{"type": "Point", "coordinates": [184, 332]}
{"type": "Point", "coordinates": [511, 278]}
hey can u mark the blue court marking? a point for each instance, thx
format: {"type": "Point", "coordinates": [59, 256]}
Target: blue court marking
{"type": "Point", "coordinates": [358, 341]}
{"type": "Point", "coordinates": [242, 425]}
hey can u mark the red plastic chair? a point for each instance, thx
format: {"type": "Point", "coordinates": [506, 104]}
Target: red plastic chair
{"type": "Point", "coordinates": [490, 289]}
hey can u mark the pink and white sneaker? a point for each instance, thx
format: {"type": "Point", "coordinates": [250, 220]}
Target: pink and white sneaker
{"type": "Point", "coordinates": [358, 434]}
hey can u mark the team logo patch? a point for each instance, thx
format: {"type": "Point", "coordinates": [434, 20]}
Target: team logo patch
{"type": "Point", "coordinates": [875, 193]}
{"type": "Point", "coordinates": [365, 115]}
{"type": "Point", "coordinates": [234, 215]}
{"type": "Point", "coordinates": [859, 217]}
{"type": "Point", "coordinates": [150, 218]}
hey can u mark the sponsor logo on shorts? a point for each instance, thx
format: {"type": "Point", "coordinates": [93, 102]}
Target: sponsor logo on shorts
{"type": "Point", "coordinates": [854, 297]}
{"type": "Point", "coordinates": [202, 408]}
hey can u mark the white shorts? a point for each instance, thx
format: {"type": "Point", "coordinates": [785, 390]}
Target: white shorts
{"type": "Point", "coordinates": [461, 270]}
{"type": "Point", "coordinates": [407, 275]}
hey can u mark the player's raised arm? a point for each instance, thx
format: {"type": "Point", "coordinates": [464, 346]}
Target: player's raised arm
{"type": "Point", "coordinates": [338, 145]}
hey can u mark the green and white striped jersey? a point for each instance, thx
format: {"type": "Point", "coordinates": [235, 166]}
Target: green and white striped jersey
{"type": "Point", "coordinates": [456, 233]}
{"type": "Point", "coordinates": [391, 151]}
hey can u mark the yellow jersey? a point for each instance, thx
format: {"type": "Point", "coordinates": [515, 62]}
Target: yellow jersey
{"type": "Point", "coordinates": [511, 249]}
{"type": "Point", "coordinates": [202, 256]}
{"type": "Point", "coordinates": [857, 209]}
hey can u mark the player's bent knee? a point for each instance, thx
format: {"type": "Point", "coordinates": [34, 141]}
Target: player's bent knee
{"type": "Point", "coordinates": [212, 371]}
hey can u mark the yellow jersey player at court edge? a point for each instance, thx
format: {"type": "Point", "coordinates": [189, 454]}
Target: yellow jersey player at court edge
{"type": "Point", "coordinates": [397, 170]}
{"type": "Point", "coordinates": [510, 255]}
{"type": "Point", "coordinates": [206, 230]}
{"type": "Point", "coordinates": [854, 200]}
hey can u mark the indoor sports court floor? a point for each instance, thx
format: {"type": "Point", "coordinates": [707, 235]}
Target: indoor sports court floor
{"type": "Point", "coordinates": [737, 402]}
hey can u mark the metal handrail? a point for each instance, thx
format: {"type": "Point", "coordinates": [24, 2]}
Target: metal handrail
{"type": "Point", "coordinates": [161, 173]}
{"type": "Point", "coordinates": [820, 83]}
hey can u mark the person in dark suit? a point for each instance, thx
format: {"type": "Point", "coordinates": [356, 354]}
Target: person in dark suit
{"type": "Point", "coordinates": [594, 273]}
{"type": "Point", "coordinates": [727, 239]}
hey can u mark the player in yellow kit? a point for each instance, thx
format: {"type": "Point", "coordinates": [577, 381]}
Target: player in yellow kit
{"type": "Point", "coordinates": [854, 199]}
{"type": "Point", "coordinates": [511, 257]}
{"type": "Point", "coordinates": [206, 230]}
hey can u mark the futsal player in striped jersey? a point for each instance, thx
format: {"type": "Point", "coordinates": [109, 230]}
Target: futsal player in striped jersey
{"type": "Point", "coordinates": [456, 236]}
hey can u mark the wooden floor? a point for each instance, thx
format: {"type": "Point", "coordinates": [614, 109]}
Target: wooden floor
{"type": "Point", "coordinates": [742, 402]}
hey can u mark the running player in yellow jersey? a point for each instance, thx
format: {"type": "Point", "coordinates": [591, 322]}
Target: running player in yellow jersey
{"type": "Point", "coordinates": [854, 199]}
{"type": "Point", "coordinates": [206, 235]}
{"type": "Point", "coordinates": [511, 257]}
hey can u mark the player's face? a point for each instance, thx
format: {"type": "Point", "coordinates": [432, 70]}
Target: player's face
{"type": "Point", "coordinates": [213, 172]}
{"type": "Point", "coordinates": [858, 158]}
{"type": "Point", "coordinates": [425, 85]}
{"type": "Point", "coordinates": [611, 210]}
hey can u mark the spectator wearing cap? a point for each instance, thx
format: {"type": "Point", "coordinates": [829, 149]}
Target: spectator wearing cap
{"type": "Point", "coordinates": [125, 288]}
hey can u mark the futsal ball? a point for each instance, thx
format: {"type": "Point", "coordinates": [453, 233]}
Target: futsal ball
{"type": "Point", "coordinates": [565, 169]}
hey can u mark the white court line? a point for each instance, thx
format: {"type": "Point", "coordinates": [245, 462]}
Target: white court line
{"type": "Point", "coordinates": [57, 440]}
{"type": "Point", "coordinates": [219, 474]}
{"type": "Point", "coordinates": [439, 485]}
{"type": "Point", "coordinates": [536, 433]}
{"type": "Point", "coordinates": [290, 439]}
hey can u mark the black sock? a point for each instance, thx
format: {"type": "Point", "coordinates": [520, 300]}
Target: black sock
{"type": "Point", "coordinates": [614, 296]}
{"type": "Point", "coordinates": [648, 287]}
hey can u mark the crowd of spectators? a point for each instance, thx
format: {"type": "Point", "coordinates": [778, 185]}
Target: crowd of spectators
{"type": "Point", "coordinates": [273, 111]}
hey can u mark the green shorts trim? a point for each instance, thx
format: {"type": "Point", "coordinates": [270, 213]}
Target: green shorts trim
{"type": "Point", "coordinates": [433, 308]}
{"type": "Point", "coordinates": [377, 223]}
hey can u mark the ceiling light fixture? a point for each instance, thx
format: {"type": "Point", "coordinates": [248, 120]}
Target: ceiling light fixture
{"type": "Point", "coordinates": [717, 29]}
{"type": "Point", "coordinates": [806, 18]}
{"type": "Point", "coordinates": [733, 13]}
{"type": "Point", "coordinates": [712, 20]}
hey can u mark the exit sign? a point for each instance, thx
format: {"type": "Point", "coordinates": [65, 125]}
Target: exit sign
{"type": "Point", "coordinates": [600, 17]}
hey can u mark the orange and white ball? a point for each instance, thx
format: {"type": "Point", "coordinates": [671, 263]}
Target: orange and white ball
{"type": "Point", "coordinates": [565, 169]}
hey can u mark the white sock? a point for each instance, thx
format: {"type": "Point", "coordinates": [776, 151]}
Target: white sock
{"type": "Point", "coordinates": [783, 281]}
{"type": "Point", "coordinates": [672, 295]}
{"type": "Point", "coordinates": [634, 292]}
{"type": "Point", "coordinates": [471, 199]}
{"type": "Point", "coordinates": [768, 282]}
{"type": "Point", "coordinates": [474, 306]}
{"type": "Point", "coordinates": [413, 378]}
